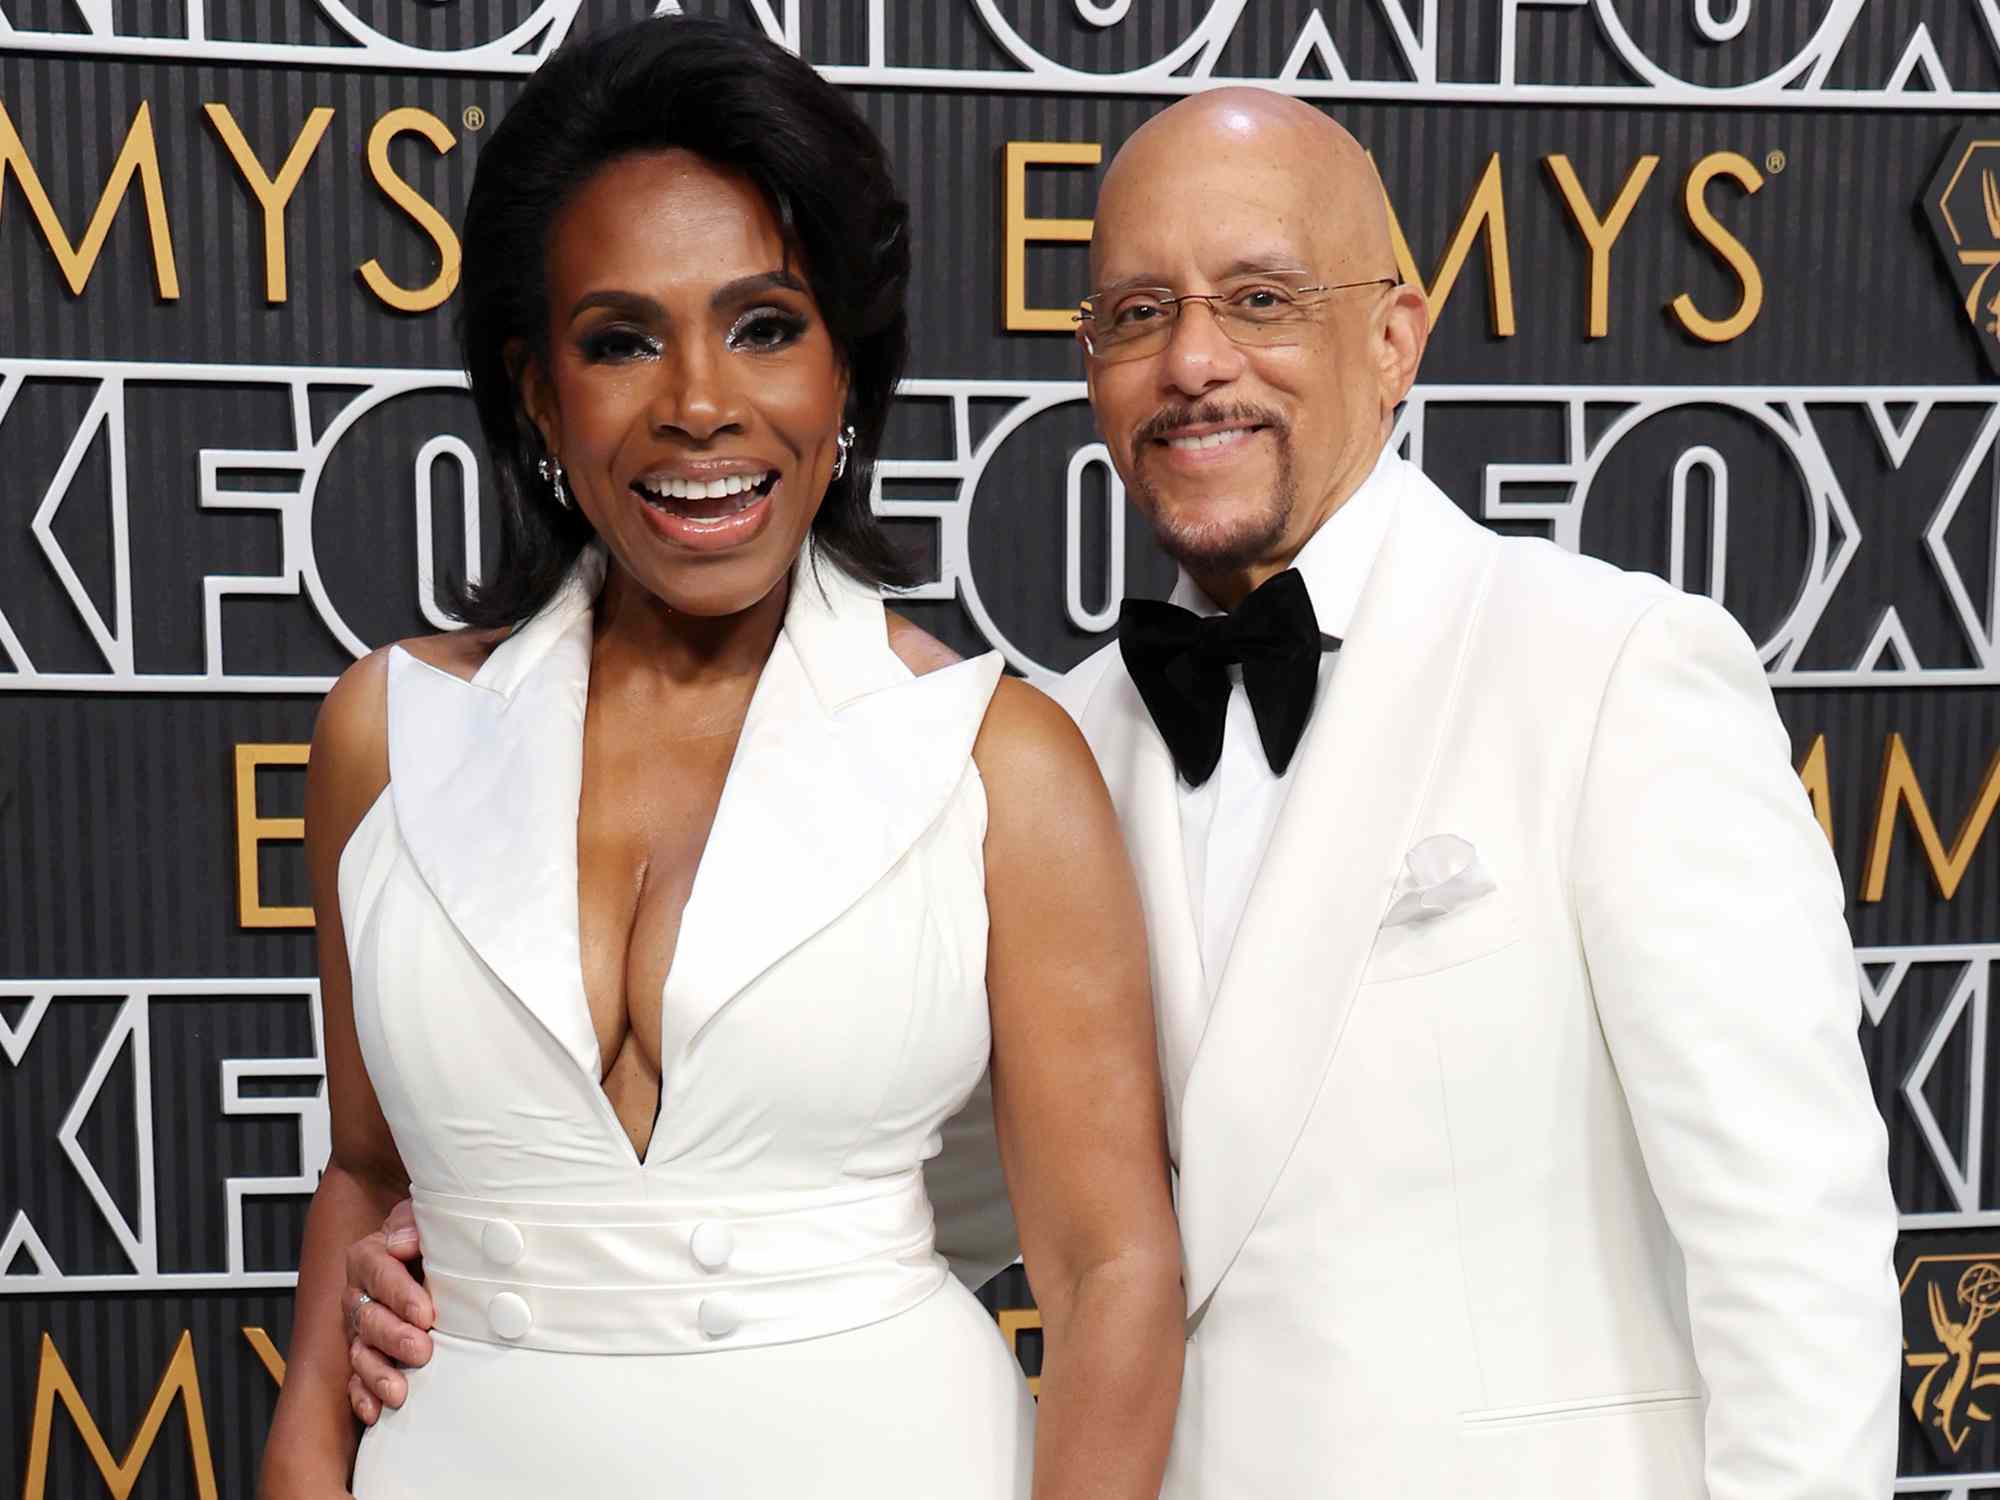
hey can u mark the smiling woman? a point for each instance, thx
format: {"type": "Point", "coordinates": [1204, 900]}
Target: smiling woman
{"type": "Point", "coordinates": [696, 406]}
{"type": "Point", "coordinates": [726, 138]}
{"type": "Point", "coordinates": [665, 919]}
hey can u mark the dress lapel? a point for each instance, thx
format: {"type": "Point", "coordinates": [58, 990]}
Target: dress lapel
{"type": "Point", "coordinates": [485, 775]}
{"type": "Point", "coordinates": [846, 759]}
{"type": "Point", "coordinates": [1364, 768]}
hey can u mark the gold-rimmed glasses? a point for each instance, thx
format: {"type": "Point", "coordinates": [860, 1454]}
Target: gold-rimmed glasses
{"type": "Point", "coordinates": [1260, 312]}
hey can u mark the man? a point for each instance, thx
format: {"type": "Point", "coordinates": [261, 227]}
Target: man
{"type": "Point", "coordinates": [1506, 1011]}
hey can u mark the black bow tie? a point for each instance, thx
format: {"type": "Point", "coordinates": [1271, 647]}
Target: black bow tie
{"type": "Point", "coordinates": [1180, 663]}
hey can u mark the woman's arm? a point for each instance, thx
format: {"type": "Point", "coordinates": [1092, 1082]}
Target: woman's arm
{"type": "Point", "coordinates": [1078, 1103]}
{"type": "Point", "coordinates": [310, 1451]}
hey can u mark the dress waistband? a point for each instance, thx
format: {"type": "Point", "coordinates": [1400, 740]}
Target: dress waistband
{"type": "Point", "coordinates": [675, 1278]}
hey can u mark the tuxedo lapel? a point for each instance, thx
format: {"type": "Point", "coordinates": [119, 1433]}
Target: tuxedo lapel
{"type": "Point", "coordinates": [1145, 791]}
{"type": "Point", "coordinates": [1318, 898]}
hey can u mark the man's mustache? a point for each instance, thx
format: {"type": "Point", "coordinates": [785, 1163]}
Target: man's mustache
{"type": "Point", "coordinates": [1170, 418]}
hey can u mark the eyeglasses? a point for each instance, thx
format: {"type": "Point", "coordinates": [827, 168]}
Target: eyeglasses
{"type": "Point", "coordinates": [1136, 321]}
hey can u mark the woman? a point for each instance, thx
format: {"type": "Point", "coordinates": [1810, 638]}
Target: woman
{"type": "Point", "coordinates": [667, 913]}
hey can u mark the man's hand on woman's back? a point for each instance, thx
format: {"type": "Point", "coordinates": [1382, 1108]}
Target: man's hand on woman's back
{"type": "Point", "coordinates": [388, 1314]}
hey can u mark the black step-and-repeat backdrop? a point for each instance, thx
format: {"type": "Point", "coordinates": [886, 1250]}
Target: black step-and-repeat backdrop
{"type": "Point", "coordinates": [1715, 293]}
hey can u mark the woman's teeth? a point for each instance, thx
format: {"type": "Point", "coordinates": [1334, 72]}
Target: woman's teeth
{"type": "Point", "coordinates": [697, 489]}
{"type": "Point", "coordinates": [707, 499]}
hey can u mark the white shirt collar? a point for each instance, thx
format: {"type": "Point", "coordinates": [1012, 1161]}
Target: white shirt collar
{"type": "Point", "coordinates": [1336, 559]}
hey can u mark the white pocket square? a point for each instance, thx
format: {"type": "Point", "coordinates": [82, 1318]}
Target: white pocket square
{"type": "Point", "coordinates": [1441, 874]}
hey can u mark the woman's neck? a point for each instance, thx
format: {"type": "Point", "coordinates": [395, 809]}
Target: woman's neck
{"type": "Point", "coordinates": [644, 644]}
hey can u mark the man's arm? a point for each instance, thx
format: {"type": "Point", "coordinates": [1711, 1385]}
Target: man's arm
{"type": "Point", "coordinates": [1710, 912]}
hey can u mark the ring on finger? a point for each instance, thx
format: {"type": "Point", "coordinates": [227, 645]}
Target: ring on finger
{"type": "Point", "coordinates": [362, 1299]}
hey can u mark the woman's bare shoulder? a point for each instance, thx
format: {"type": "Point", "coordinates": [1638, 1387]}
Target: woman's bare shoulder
{"type": "Point", "coordinates": [1028, 746]}
{"type": "Point", "coordinates": [1027, 735]}
{"type": "Point", "coordinates": [1047, 807]}
{"type": "Point", "coordinates": [459, 652]}
{"type": "Point", "coordinates": [349, 762]}
{"type": "Point", "coordinates": [1027, 742]}
{"type": "Point", "coordinates": [917, 648]}
{"type": "Point", "coordinates": [349, 765]}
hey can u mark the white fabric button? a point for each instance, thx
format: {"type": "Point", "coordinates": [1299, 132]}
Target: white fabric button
{"type": "Point", "coordinates": [509, 1315]}
{"type": "Point", "coordinates": [712, 1244]}
{"type": "Point", "coordinates": [718, 1317]}
{"type": "Point", "coordinates": [502, 1242]}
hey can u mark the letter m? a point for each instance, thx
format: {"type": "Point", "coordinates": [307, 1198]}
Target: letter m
{"type": "Point", "coordinates": [53, 1382]}
{"type": "Point", "coordinates": [1485, 212]}
{"type": "Point", "coordinates": [140, 158]}
{"type": "Point", "coordinates": [1900, 788]}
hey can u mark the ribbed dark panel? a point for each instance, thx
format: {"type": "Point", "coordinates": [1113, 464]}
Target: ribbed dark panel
{"type": "Point", "coordinates": [117, 836]}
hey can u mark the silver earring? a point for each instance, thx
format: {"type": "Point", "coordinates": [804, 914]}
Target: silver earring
{"type": "Point", "coordinates": [551, 470]}
{"type": "Point", "coordinates": [843, 443]}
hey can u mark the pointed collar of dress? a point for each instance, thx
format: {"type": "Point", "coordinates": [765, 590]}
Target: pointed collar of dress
{"type": "Point", "coordinates": [845, 759]}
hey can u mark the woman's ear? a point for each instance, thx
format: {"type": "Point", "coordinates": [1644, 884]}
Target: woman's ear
{"type": "Point", "coordinates": [535, 393]}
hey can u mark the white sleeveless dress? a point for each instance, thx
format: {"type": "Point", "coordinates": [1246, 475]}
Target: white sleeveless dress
{"type": "Point", "coordinates": [756, 1307]}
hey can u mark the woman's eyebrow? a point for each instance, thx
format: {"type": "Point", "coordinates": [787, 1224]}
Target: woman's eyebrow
{"type": "Point", "coordinates": [779, 280]}
{"type": "Point", "coordinates": [634, 304]}
{"type": "Point", "coordinates": [639, 305]}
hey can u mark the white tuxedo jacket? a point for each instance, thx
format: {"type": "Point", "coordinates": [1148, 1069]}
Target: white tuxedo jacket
{"type": "Point", "coordinates": [1576, 1188]}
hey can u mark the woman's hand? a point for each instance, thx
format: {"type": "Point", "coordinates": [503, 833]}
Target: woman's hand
{"type": "Point", "coordinates": [388, 1314]}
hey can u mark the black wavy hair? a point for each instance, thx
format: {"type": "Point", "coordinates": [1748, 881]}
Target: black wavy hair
{"type": "Point", "coordinates": [737, 100]}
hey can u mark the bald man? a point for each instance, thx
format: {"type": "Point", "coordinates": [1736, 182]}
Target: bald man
{"type": "Point", "coordinates": [1506, 1010]}
{"type": "Point", "coordinates": [1507, 1015]}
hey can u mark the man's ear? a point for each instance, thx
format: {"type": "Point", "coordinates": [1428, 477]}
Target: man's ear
{"type": "Point", "coordinates": [1403, 331]}
{"type": "Point", "coordinates": [535, 393]}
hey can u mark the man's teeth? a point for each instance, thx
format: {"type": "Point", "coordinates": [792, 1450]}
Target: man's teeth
{"type": "Point", "coordinates": [696, 489]}
{"type": "Point", "coordinates": [1209, 439]}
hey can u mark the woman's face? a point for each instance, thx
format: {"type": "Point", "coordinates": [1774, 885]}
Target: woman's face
{"type": "Point", "coordinates": [692, 391]}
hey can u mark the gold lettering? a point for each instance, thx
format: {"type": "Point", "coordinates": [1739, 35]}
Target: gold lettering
{"type": "Point", "coordinates": [254, 830]}
{"type": "Point", "coordinates": [53, 1383]}
{"type": "Point", "coordinates": [1485, 212]}
{"type": "Point", "coordinates": [1014, 1321]}
{"type": "Point", "coordinates": [420, 122]}
{"type": "Point", "coordinates": [267, 1353]}
{"type": "Point", "coordinates": [1900, 788]}
{"type": "Point", "coordinates": [1600, 234]}
{"type": "Point", "coordinates": [1726, 246]}
{"type": "Point", "coordinates": [1021, 230]}
{"type": "Point", "coordinates": [1818, 784]}
{"type": "Point", "coordinates": [272, 194]}
{"type": "Point", "coordinates": [140, 158]}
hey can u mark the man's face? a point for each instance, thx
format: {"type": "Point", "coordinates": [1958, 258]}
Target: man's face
{"type": "Point", "coordinates": [1235, 454]}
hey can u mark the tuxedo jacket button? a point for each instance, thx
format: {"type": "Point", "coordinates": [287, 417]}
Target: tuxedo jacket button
{"type": "Point", "coordinates": [508, 1315]}
{"type": "Point", "coordinates": [502, 1242]}
{"type": "Point", "coordinates": [712, 1245]}
{"type": "Point", "coordinates": [718, 1317]}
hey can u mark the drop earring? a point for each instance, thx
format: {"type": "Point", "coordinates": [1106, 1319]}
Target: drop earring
{"type": "Point", "coordinates": [551, 469]}
{"type": "Point", "coordinates": [843, 442]}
